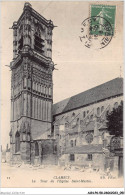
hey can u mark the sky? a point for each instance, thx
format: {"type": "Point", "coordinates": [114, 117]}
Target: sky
{"type": "Point", "coordinates": [79, 68]}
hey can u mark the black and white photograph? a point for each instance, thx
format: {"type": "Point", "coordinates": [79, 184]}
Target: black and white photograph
{"type": "Point", "coordinates": [62, 94]}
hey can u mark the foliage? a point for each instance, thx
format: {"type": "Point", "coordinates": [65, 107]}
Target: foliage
{"type": "Point", "coordinates": [115, 121]}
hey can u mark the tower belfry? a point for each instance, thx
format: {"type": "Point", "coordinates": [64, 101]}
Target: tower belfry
{"type": "Point", "coordinates": [31, 82]}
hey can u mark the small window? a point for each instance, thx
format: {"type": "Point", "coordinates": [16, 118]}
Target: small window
{"type": "Point", "coordinates": [75, 142]}
{"type": "Point", "coordinates": [72, 157]}
{"type": "Point", "coordinates": [73, 114]}
{"type": "Point", "coordinates": [89, 156]}
{"type": "Point", "coordinates": [87, 111]}
{"type": "Point", "coordinates": [84, 114]}
{"type": "Point", "coordinates": [98, 111]}
{"type": "Point", "coordinates": [102, 108]}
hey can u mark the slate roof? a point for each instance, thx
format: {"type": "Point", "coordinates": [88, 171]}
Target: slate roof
{"type": "Point", "coordinates": [106, 90]}
{"type": "Point", "coordinates": [89, 126]}
{"type": "Point", "coordinates": [60, 106]}
{"type": "Point", "coordinates": [86, 149]}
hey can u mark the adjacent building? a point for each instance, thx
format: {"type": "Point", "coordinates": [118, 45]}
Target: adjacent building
{"type": "Point", "coordinates": [80, 126]}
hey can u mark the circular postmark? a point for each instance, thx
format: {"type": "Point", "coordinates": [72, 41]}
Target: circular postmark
{"type": "Point", "coordinates": [96, 32]}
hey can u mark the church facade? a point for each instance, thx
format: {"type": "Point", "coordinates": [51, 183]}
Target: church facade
{"type": "Point", "coordinates": [70, 132]}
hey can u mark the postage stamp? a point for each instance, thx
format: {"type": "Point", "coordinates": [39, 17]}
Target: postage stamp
{"type": "Point", "coordinates": [99, 38]}
{"type": "Point", "coordinates": [97, 30]}
{"type": "Point", "coordinates": [105, 14]}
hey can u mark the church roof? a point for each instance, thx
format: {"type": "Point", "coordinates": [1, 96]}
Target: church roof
{"type": "Point", "coordinates": [86, 149]}
{"type": "Point", "coordinates": [99, 93]}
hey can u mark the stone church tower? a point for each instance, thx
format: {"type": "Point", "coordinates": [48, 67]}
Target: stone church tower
{"type": "Point", "coordinates": [31, 82]}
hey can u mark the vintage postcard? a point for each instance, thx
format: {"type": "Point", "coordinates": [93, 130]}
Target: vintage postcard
{"type": "Point", "coordinates": [62, 94]}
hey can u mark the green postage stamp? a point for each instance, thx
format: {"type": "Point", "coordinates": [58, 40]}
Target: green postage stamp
{"type": "Point", "coordinates": [104, 22]}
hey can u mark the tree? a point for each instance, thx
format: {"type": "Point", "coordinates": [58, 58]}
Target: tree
{"type": "Point", "coordinates": [115, 121]}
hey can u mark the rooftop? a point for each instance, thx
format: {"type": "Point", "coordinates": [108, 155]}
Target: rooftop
{"type": "Point", "coordinates": [99, 93]}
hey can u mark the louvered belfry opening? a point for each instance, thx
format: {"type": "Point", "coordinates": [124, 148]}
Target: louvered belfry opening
{"type": "Point", "coordinates": [38, 43]}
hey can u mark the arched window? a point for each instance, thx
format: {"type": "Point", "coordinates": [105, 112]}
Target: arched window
{"type": "Point", "coordinates": [36, 149]}
{"type": "Point", "coordinates": [115, 143]}
{"type": "Point", "coordinates": [17, 142]}
{"type": "Point", "coordinates": [84, 114]}
{"type": "Point", "coordinates": [72, 157]}
{"type": "Point", "coordinates": [89, 138]}
{"type": "Point", "coordinates": [102, 108]}
{"type": "Point", "coordinates": [73, 114]}
{"type": "Point", "coordinates": [116, 105]}
{"type": "Point", "coordinates": [98, 111]}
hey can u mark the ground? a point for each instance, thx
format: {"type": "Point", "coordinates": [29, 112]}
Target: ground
{"type": "Point", "coordinates": [54, 176]}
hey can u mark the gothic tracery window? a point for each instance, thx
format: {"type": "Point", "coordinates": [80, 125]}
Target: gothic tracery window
{"type": "Point", "coordinates": [89, 138]}
{"type": "Point", "coordinates": [90, 157]}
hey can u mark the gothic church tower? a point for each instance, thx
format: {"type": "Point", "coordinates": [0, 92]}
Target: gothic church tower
{"type": "Point", "coordinates": [31, 82]}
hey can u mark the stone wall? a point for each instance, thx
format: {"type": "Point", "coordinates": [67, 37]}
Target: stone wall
{"type": "Point", "coordinates": [82, 160]}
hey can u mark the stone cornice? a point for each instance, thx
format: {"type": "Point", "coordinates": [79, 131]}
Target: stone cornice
{"type": "Point", "coordinates": [27, 52]}
{"type": "Point", "coordinates": [43, 97]}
